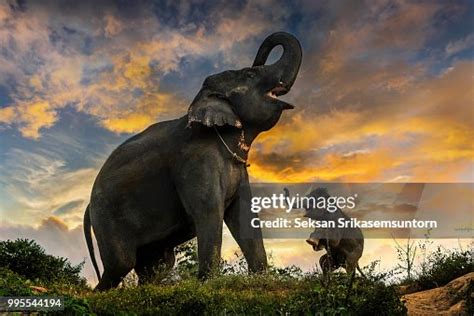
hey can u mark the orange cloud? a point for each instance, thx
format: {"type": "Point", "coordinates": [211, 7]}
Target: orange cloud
{"type": "Point", "coordinates": [425, 134]}
{"type": "Point", "coordinates": [129, 123]}
{"type": "Point", "coordinates": [34, 116]}
{"type": "Point", "coordinates": [362, 167]}
{"type": "Point", "coordinates": [7, 114]}
{"type": "Point", "coordinates": [113, 26]}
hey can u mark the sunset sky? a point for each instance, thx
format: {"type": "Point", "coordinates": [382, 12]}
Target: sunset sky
{"type": "Point", "coordinates": [385, 94]}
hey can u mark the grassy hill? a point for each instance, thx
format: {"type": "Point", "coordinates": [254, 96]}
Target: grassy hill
{"type": "Point", "coordinates": [27, 270]}
{"type": "Point", "coordinates": [262, 294]}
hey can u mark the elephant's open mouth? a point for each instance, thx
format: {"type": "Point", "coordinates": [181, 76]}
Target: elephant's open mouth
{"type": "Point", "coordinates": [279, 90]}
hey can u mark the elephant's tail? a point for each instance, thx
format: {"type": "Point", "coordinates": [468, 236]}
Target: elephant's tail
{"type": "Point", "coordinates": [90, 246]}
{"type": "Point", "coordinates": [360, 271]}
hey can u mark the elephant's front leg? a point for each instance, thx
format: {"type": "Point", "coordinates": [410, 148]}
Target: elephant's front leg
{"type": "Point", "coordinates": [208, 224]}
{"type": "Point", "coordinates": [238, 218]}
{"type": "Point", "coordinates": [203, 201]}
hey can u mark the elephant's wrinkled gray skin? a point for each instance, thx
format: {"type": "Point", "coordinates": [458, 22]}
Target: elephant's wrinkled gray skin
{"type": "Point", "coordinates": [176, 180]}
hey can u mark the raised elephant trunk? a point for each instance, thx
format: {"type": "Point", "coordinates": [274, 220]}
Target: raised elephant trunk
{"type": "Point", "coordinates": [286, 68]}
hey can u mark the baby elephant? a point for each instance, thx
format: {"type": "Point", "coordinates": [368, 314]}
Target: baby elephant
{"type": "Point", "coordinates": [344, 252]}
{"type": "Point", "coordinates": [344, 246]}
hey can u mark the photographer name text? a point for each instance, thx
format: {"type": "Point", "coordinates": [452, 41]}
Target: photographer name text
{"type": "Point", "coordinates": [281, 222]}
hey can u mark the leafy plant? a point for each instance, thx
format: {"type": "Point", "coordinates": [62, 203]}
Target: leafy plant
{"type": "Point", "coordinates": [406, 256]}
{"type": "Point", "coordinates": [187, 258]}
{"type": "Point", "coordinates": [29, 260]}
{"type": "Point", "coordinates": [443, 266]}
{"type": "Point", "coordinates": [13, 284]}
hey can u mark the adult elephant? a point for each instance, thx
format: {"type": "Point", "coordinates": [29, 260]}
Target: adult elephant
{"type": "Point", "coordinates": [182, 178]}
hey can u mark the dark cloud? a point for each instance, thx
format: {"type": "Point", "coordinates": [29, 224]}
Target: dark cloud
{"type": "Point", "coordinates": [68, 207]}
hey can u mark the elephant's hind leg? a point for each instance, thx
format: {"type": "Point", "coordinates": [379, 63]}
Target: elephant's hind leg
{"type": "Point", "coordinates": [118, 261]}
{"type": "Point", "coordinates": [152, 261]}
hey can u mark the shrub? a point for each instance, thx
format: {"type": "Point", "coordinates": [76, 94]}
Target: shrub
{"type": "Point", "coordinates": [12, 284]}
{"type": "Point", "coordinates": [28, 259]}
{"type": "Point", "coordinates": [187, 258]}
{"type": "Point", "coordinates": [444, 266]}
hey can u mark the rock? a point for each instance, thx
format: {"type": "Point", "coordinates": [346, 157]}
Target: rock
{"type": "Point", "coordinates": [451, 299]}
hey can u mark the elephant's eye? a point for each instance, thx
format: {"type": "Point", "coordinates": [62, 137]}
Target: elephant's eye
{"type": "Point", "coordinates": [250, 74]}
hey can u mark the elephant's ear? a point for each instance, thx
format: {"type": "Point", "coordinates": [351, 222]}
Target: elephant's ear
{"type": "Point", "coordinates": [211, 110]}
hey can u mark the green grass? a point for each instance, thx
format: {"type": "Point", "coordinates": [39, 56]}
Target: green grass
{"type": "Point", "coordinates": [250, 295]}
{"type": "Point", "coordinates": [231, 291]}
{"type": "Point", "coordinates": [280, 291]}
{"type": "Point", "coordinates": [265, 294]}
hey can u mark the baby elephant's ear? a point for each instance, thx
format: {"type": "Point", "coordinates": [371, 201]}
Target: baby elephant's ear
{"type": "Point", "coordinates": [211, 110]}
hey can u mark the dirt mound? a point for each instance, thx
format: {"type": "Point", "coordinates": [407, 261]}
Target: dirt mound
{"type": "Point", "coordinates": [452, 299]}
